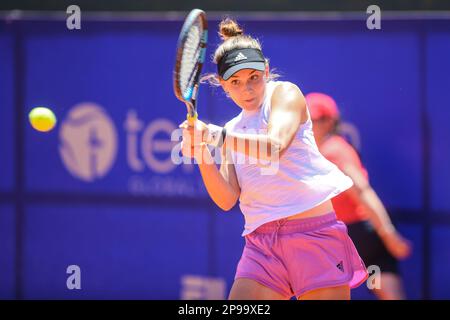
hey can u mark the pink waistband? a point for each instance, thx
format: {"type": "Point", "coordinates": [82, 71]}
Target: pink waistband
{"type": "Point", "coordinates": [283, 226]}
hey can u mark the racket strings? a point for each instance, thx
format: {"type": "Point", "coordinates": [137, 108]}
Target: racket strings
{"type": "Point", "coordinates": [190, 58]}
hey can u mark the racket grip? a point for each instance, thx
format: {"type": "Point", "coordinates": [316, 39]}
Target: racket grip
{"type": "Point", "coordinates": [191, 119]}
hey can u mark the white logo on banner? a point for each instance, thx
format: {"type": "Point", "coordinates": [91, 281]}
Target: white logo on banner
{"type": "Point", "coordinates": [74, 280]}
{"type": "Point", "coordinates": [373, 21]}
{"type": "Point", "coordinates": [74, 20]}
{"type": "Point", "coordinates": [374, 279]}
{"type": "Point", "coordinates": [88, 142]}
{"type": "Point", "coordinates": [202, 288]}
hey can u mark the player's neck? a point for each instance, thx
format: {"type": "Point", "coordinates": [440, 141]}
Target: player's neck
{"type": "Point", "coordinates": [252, 111]}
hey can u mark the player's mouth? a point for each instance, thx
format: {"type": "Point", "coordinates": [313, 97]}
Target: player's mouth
{"type": "Point", "coordinates": [249, 100]}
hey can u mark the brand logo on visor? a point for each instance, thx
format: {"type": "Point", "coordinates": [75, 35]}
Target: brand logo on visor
{"type": "Point", "coordinates": [240, 57]}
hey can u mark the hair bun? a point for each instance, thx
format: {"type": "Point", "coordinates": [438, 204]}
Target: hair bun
{"type": "Point", "coordinates": [229, 28]}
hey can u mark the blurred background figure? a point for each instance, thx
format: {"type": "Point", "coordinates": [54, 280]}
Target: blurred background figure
{"type": "Point", "coordinates": [360, 208]}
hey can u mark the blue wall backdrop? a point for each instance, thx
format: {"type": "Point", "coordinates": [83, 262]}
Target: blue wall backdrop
{"type": "Point", "coordinates": [101, 192]}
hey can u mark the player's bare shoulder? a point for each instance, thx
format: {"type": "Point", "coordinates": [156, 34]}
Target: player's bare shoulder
{"type": "Point", "coordinates": [289, 94]}
{"type": "Point", "coordinates": [287, 87]}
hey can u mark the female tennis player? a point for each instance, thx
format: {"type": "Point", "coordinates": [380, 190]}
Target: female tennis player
{"type": "Point", "coordinates": [359, 207]}
{"type": "Point", "coordinates": [294, 246]}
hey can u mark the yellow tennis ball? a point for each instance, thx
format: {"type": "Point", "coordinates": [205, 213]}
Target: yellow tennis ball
{"type": "Point", "coordinates": [42, 119]}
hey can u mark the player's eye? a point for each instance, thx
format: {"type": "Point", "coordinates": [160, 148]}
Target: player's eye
{"type": "Point", "coordinates": [234, 82]}
{"type": "Point", "coordinates": [254, 77]}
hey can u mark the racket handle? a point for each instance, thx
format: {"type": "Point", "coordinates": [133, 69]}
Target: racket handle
{"type": "Point", "coordinates": [191, 119]}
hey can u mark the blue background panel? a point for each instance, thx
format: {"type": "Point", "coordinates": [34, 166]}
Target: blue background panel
{"type": "Point", "coordinates": [96, 56]}
{"type": "Point", "coordinates": [119, 71]}
{"type": "Point", "coordinates": [438, 84]}
{"type": "Point", "coordinates": [7, 127]}
{"type": "Point", "coordinates": [440, 260]}
{"type": "Point", "coordinates": [411, 269]}
{"type": "Point", "coordinates": [123, 252]}
{"type": "Point", "coordinates": [8, 251]}
{"type": "Point", "coordinates": [382, 81]}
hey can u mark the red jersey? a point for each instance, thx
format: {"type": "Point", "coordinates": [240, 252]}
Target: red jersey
{"type": "Point", "coordinates": [341, 153]}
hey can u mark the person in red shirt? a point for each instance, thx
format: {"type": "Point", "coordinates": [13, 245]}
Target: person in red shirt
{"type": "Point", "coordinates": [360, 208]}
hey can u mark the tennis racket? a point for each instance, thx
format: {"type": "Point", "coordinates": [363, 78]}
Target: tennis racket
{"type": "Point", "coordinates": [191, 48]}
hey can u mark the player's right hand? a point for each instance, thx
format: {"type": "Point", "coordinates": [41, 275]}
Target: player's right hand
{"type": "Point", "coordinates": [191, 145]}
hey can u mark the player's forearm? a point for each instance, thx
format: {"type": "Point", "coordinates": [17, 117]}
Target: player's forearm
{"type": "Point", "coordinates": [378, 215]}
{"type": "Point", "coordinates": [218, 188]}
{"type": "Point", "coordinates": [259, 146]}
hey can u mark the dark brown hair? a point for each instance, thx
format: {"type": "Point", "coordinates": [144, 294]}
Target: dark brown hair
{"type": "Point", "coordinates": [233, 38]}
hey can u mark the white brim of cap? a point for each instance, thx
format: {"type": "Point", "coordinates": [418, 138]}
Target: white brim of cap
{"type": "Point", "coordinates": [261, 66]}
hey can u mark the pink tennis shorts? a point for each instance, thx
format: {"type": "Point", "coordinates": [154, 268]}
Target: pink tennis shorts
{"type": "Point", "coordinates": [295, 256]}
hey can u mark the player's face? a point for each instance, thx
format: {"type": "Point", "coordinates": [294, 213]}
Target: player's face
{"type": "Point", "coordinates": [246, 88]}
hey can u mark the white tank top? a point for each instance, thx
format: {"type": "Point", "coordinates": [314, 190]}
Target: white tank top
{"type": "Point", "coordinates": [302, 178]}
